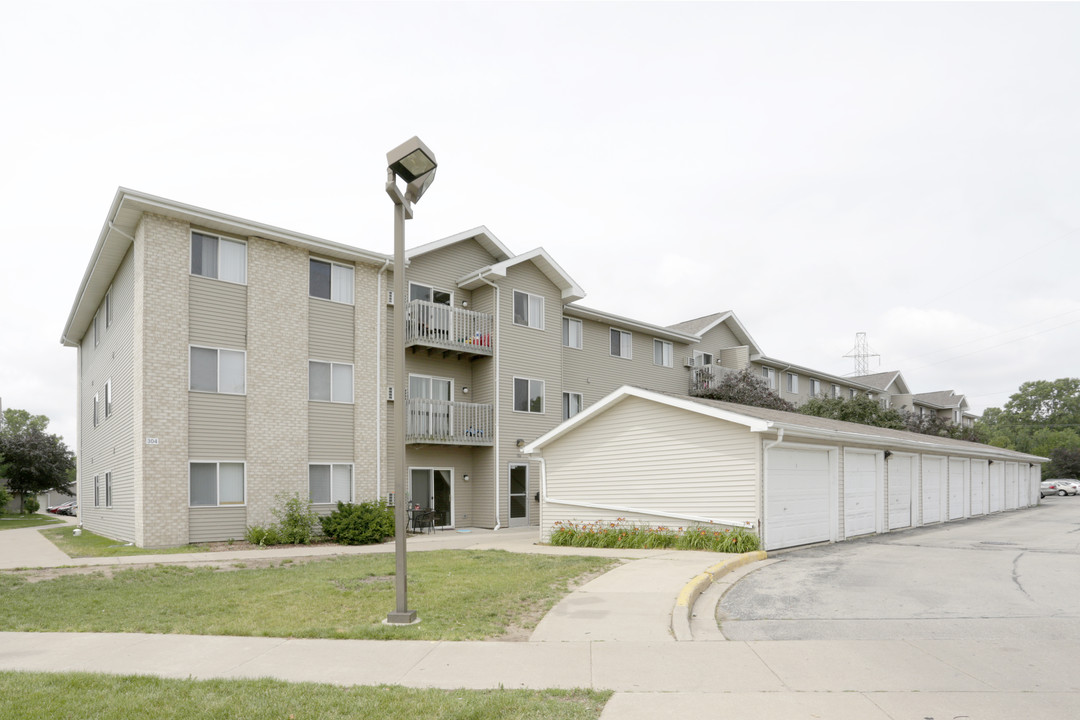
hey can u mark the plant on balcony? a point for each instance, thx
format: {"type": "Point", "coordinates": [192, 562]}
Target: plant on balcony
{"type": "Point", "coordinates": [744, 388]}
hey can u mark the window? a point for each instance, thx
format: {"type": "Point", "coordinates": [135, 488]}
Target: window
{"type": "Point", "coordinates": [621, 342]}
{"type": "Point", "coordinates": [956, 416]}
{"type": "Point", "coordinates": [571, 404]}
{"type": "Point", "coordinates": [702, 359]}
{"type": "Point", "coordinates": [836, 391]}
{"type": "Point", "coordinates": [95, 410]}
{"type": "Point", "coordinates": [330, 483]}
{"type": "Point", "coordinates": [792, 383]}
{"type": "Point", "coordinates": [330, 382]}
{"type": "Point", "coordinates": [528, 310]}
{"type": "Point", "coordinates": [108, 309]}
{"type": "Point", "coordinates": [852, 393]}
{"type": "Point", "coordinates": [430, 294]}
{"type": "Point", "coordinates": [108, 489]}
{"type": "Point", "coordinates": [97, 333]}
{"type": "Point", "coordinates": [218, 371]}
{"type": "Point", "coordinates": [662, 353]}
{"type": "Point", "coordinates": [218, 258]}
{"type": "Point", "coordinates": [770, 376]}
{"type": "Point", "coordinates": [528, 395]}
{"type": "Point", "coordinates": [97, 491]}
{"type": "Point", "coordinates": [216, 483]}
{"type": "Point", "coordinates": [815, 387]}
{"type": "Point", "coordinates": [330, 281]}
{"type": "Point", "coordinates": [571, 333]}
{"type": "Point", "coordinates": [108, 398]}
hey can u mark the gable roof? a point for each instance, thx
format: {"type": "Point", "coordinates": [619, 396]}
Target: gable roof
{"type": "Point", "coordinates": [795, 424]}
{"type": "Point", "coordinates": [883, 380]}
{"type": "Point", "coordinates": [481, 235]}
{"type": "Point", "coordinates": [580, 311]}
{"type": "Point", "coordinates": [941, 399]}
{"type": "Point", "coordinates": [571, 291]}
{"type": "Point", "coordinates": [118, 233]}
{"type": "Point", "coordinates": [700, 326]}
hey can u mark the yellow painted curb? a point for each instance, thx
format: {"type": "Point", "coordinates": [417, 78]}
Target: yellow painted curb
{"type": "Point", "coordinates": [699, 584]}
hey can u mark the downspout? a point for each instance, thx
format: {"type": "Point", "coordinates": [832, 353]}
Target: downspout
{"type": "Point", "coordinates": [380, 406]}
{"type": "Point", "coordinates": [495, 410]}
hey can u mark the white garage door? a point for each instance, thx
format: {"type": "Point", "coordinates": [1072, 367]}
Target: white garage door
{"type": "Point", "coordinates": [957, 478]}
{"type": "Point", "coordinates": [1012, 489]}
{"type": "Point", "coordinates": [997, 487]}
{"type": "Point", "coordinates": [796, 497]}
{"type": "Point", "coordinates": [901, 483]}
{"type": "Point", "coordinates": [978, 487]}
{"type": "Point", "coordinates": [932, 474]}
{"type": "Point", "coordinates": [860, 493]}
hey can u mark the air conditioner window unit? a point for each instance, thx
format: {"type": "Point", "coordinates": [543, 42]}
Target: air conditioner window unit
{"type": "Point", "coordinates": [688, 362]}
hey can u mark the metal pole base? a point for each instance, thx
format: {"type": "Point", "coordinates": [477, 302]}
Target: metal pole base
{"type": "Point", "coordinates": [401, 618]}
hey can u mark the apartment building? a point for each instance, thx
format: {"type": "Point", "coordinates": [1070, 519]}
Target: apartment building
{"type": "Point", "coordinates": [223, 362]}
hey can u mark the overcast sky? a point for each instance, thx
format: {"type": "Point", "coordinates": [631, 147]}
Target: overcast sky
{"type": "Point", "coordinates": [905, 170]}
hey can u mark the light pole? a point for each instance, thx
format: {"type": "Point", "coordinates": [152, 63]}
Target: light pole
{"type": "Point", "coordinates": [414, 163]}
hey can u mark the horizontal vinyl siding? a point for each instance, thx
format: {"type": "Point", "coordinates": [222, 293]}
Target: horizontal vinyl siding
{"type": "Point", "coordinates": [218, 316]}
{"type": "Point", "coordinates": [652, 457]}
{"type": "Point", "coordinates": [332, 330]}
{"type": "Point", "coordinates": [210, 524]}
{"type": "Point", "coordinates": [217, 426]}
{"type": "Point", "coordinates": [330, 432]}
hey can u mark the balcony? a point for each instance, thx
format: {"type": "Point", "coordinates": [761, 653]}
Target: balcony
{"type": "Point", "coordinates": [448, 329]}
{"type": "Point", "coordinates": [441, 422]}
{"type": "Point", "coordinates": [707, 378]}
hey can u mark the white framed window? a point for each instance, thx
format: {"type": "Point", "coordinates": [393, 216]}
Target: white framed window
{"type": "Point", "coordinates": [956, 416]}
{"type": "Point", "coordinates": [96, 401]}
{"type": "Point", "coordinates": [330, 281]}
{"type": "Point", "coordinates": [852, 392]}
{"type": "Point", "coordinates": [97, 330]}
{"type": "Point", "coordinates": [815, 387]}
{"type": "Point", "coordinates": [431, 294]}
{"type": "Point", "coordinates": [217, 370]}
{"type": "Point", "coordinates": [219, 258]}
{"type": "Point", "coordinates": [836, 391]}
{"type": "Point", "coordinates": [97, 491]}
{"type": "Point", "coordinates": [528, 395]}
{"type": "Point", "coordinates": [702, 359]}
{"type": "Point", "coordinates": [529, 310]}
{"type": "Point", "coordinates": [792, 382]}
{"type": "Point", "coordinates": [330, 482]}
{"type": "Point", "coordinates": [571, 333]}
{"type": "Point", "coordinates": [621, 344]}
{"type": "Point", "coordinates": [214, 483]}
{"type": "Point", "coordinates": [770, 376]}
{"type": "Point", "coordinates": [663, 353]}
{"type": "Point", "coordinates": [330, 381]}
{"type": "Point", "coordinates": [571, 404]}
{"type": "Point", "coordinates": [108, 489]}
{"type": "Point", "coordinates": [108, 398]}
{"type": "Point", "coordinates": [108, 309]}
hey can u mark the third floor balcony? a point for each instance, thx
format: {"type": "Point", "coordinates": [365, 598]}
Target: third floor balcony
{"type": "Point", "coordinates": [441, 422]}
{"type": "Point", "coordinates": [449, 329]}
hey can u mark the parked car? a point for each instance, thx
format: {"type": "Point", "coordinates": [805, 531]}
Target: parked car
{"type": "Point", "coordinates": [1047, 487]}
{"type": "Point", "coordinates": [59, 509]}
{"type": "Point", "coordinates": [71, 508]}
{"type": "Point", "coordinates": [1074, 484]}
{"type": "Point", "coordinates": [1059, 486]}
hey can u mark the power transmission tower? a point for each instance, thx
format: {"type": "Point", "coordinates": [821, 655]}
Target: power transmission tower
{"type": "Point", "coordinates": [862, 352]}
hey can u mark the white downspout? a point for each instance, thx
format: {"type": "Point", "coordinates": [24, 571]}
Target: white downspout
{"type": "Point", "coordinates": [380, 406]}
{"type": "Point", "coordinates": [495, 409]}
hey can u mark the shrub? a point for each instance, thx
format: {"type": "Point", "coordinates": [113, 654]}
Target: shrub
{"type": "Point", "coordinates": [362, 524]}
{"type": "Point", "coordinates": [296, 521]}
{"type": "Point", "coordinates": [260, 535]}
{"type": "Point", "coordinates": [623, 534]}
{"type": "Point", "coordinates": [5, 498]}
{"type": "Point", "coordinates": [30, 504]}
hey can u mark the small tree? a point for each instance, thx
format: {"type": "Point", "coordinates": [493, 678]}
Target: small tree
{"type": "Point", "coordinates": [859, 409]}
{"type": "Point", "coordinates": [745, 388]}
{"type": "Point", "coordinates": [34, 460]}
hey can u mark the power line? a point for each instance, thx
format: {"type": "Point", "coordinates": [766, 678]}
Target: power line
{"type": "Point", "coordinates": [1007, 342]}
{"type": "Point", "coordinates": [1002, 332]}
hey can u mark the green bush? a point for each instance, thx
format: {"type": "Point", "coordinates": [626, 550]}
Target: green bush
{"type": "Point", "coordinates": [624, 534]}
{"type": "Point", "coordinates": [363, 524]}
{"type": "Point", "coordinates": [30, 504]}
{"type": "Point", "coordinates": [5, 498]}
{"type": "Point", "coordinates": [259, 535]}
{"type": "Point", "coordinates": [296, 521]}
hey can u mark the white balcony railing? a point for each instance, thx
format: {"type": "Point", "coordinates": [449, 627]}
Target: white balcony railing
{"type": "Point", "coordinates": [707, 378]}
{"type": "Point", "coordinates": [442, 326]}
{"type": "Point", "coordinates": [441, 422]}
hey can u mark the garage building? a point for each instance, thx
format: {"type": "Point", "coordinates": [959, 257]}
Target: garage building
{"type": "Point", "coordinates": [674, 460]}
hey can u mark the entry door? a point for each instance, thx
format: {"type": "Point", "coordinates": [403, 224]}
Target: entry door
{"type": "Point", "coordinates": [433, 417]}
{"type": "Point", "coordinates": [433, 488]}
{"type": "Point", "coordinates": [860, 493]}
{"type": "Point", "coordinates": [519, 494]}
{"type": "Point", "coordinates": [900, 488]}
{"type": "Point", "coordinates": [434, 320]}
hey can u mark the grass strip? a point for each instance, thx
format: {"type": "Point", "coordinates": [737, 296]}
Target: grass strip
{"type": "Point", "coordinates": [17, 521]}
{"type": "Point", "coordinates": [87, 544]}
{"type": "Point", "coordinates": [459, 594]}
{"type": "Point", "coordinates": [106, 697]}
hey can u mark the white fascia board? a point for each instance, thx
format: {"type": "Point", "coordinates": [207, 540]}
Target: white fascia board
{"type": "Point", "coordinates": [107, 235]}
{"type": "Point", "coordinates": [663, 333]}
{"type": "Point", "coordinates": [629, 391]}
{"type": "Point", "coordinates": [782, 366]}
{"type": "Point", "coordinates": [570, 290]}
{"type": "Point", "coordinates": [740, 331]}
{"type": "Point", "coordinates": [869, 438]}
{"type": "Point", "coordinates": [481, 234]}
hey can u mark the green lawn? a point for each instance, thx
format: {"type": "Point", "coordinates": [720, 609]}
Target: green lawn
{"type": "Point", "coordinates": [460, 595]}
{"type": "Point", "coordinates": [16, 521]}
{"type": "Point", "coordinates": [88, 544]}
{"type": "Point", "coordinates": [105, 697]}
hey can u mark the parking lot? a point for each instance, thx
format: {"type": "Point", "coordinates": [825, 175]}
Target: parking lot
{"type": "Point", "coordinates": [1011, 576]}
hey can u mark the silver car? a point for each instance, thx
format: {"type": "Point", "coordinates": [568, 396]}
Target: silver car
{"type": "Point", "coordinates": [1059, 486]}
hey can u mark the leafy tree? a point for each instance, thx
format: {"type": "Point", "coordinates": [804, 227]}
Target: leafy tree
{"type": "Point", "coordinates": [34, 461]}
{"type": "Point", "coordinates": [745, 388]}
{"type": "Point", "coordinates": [859, 409]}
{"type": "Point", "coordinates": [934, 424]}
{"type": "Point", "coordinates": [1064, 463]}
{"type": "Point", "coordinates": [1041, 418]}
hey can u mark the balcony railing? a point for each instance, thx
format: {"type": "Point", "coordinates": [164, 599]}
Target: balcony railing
{"type": "Point", "coordinates": [707, 378]}
{"type": "Point", "coordinates": [431, 325]}
{"type": "Point", "coordinates": [441, 422]}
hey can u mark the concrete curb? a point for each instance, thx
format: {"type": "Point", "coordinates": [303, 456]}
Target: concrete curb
{"type": "Point", "coordinates": [684, 603]}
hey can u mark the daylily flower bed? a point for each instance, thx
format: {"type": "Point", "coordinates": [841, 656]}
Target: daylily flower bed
{"type": "Point", "coordinates": [625, 534]}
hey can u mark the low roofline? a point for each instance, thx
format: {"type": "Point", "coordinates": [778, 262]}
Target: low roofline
{"type": "Point", "coordinates": [580, 311]}
{"type": "Point", "coordinates": [838, 379]}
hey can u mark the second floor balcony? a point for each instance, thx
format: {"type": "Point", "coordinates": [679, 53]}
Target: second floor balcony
{"type": "Point", "coordinates": [452, 330]}
{"type": "Point", "coordinates": [442, 422]}
{"type": "Point", "coordinates": [707, 377]}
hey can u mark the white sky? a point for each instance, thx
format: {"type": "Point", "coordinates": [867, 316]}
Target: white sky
{"type": "Point", "coordinates": [906, 170]}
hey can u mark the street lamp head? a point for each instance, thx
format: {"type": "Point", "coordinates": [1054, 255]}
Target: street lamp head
{"type": "Point", "coordinates": [413, 162]}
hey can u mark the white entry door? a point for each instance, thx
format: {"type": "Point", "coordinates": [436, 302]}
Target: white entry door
{"type": "Point", "coordinates": [901, 486]}
{"type": "Point", "coordinates": [860, 492]}
{"type": "Point", "coordinates": [797, 502]}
